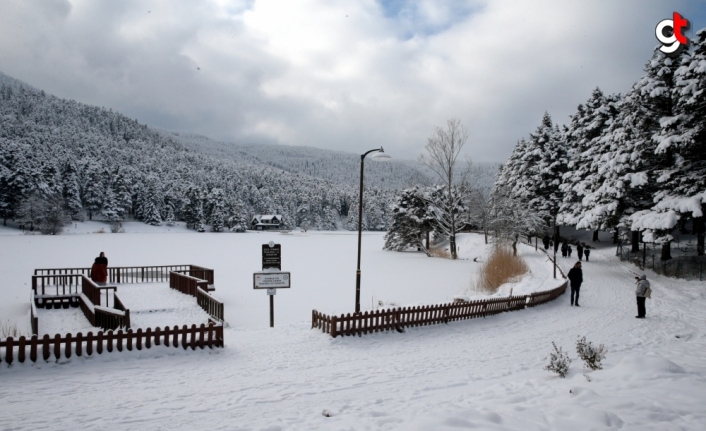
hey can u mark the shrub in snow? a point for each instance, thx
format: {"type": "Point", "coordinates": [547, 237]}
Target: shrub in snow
{"type": "Point", "coordinates": [559, 361]}
{"type": "Point", "coordinates": [590, 354]}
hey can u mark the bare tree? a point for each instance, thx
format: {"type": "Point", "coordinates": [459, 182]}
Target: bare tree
{"type": "Point", "coordinates": [443, 149]}
{"type": "Point", "coordinates": [510, 219]}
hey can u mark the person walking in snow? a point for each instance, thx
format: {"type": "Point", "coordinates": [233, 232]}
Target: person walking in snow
{"type": "Point", "coordinates": [641, 293]}
{"type": "Point", "coordinates": [545, 241]}
{"type": "Point", "coordinates": [564, 250]}
{"type": "Point", "coordinates": [586, 252]}
{"type": "Point", "coordinates": [575, 280]}
{"type": "Point", "coordinates": [569, 249]}
{"type": "Point", "coordinates": [579, 250]}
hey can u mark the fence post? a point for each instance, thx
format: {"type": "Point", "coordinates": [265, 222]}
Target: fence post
{"type": "Point", "coordinates": [334, 326]}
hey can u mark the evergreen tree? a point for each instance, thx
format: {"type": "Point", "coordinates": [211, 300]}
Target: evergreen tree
{"type": "Point", "coordinates": [682, 141]}
{"type": "Point", "coordinates": [71, 190]}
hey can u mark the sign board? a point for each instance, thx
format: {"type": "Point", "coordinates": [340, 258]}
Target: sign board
{"type": "Point", "coordinates": [271, 256]}
{"type": "Point", "coordinates": [271, 280]}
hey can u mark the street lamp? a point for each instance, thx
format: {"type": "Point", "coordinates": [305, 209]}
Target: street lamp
{"type": "Point", "coordinates": [379, 156]}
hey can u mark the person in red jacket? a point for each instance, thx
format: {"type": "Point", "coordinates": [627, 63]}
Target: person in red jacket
{"type": "Point", "coordinates": [99, 270]}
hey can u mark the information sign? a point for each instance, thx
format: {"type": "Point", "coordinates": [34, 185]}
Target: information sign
{"type": "Point", "coordinates": [271, 256]}
{"type": "Point", "coordinates": [271, 280]}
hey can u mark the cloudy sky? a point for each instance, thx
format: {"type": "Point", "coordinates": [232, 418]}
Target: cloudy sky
{"type": "Point", "coordinates": [347, 75]}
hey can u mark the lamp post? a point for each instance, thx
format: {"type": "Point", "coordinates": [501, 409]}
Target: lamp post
{"type": "Point", "coordinates": [380, 156]}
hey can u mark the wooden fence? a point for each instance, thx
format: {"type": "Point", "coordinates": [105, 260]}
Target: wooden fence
{"type": "Point", "coordinates": [210, 305]}
{"type": "Point", "coordinates": [69, 345]}
{"type": "Point", "coordinates": [186, 284]}
{"type": "Point", "coordinates": [400, 318]}
{"type": "Point", "coordinates": [133, 274]}
{"type": "Point", "coordinates": [104, 317]}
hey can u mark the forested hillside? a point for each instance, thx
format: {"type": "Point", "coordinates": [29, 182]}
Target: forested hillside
{"type": "Point", "coordinates": [61, 159]}
{"type": "Point", "coordinates": [334, 166]}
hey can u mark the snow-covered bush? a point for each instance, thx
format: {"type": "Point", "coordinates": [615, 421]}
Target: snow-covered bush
{"type": "Point", "coordinates": [590, 354]}
{"type": "Point", "coordinates": [559, 361]}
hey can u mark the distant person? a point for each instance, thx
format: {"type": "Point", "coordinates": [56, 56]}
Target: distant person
{"type": "Point", "coordinates": [99, 270]}
{"type": "Point", "coordinates": [641, 293]}
{"type": "Point", "coordinates": [579, 250]}
{"type": "Point", "coordinates": [569, 249]}
{"type": "Point", "coordinates": [587, 252]}
{"type": "Point", "coordinates": [545, 241]}
{"type": "Point", "coordinates": [575, 279]}
{"type": "Point", "coordinates": [564, 250]}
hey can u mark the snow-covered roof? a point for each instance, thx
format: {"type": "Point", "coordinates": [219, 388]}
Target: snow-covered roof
{"type": "Point", "coordinates": [267, 217]}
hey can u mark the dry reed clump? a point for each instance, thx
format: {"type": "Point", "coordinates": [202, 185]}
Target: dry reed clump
{"type": "Point", "coordinates": [501, 267]}
{"type": "Point", "coordinates": [8, 329]}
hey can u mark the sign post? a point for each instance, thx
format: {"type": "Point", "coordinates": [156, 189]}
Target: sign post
{"type": "Point", "coordinates": [271, 277]}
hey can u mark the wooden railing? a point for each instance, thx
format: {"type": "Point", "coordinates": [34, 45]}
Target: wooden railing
{"type": "Point", "coordinates": [110, 318]}
{"type": "Point", "coordinates": [186, 284]}
{"type": "Point", "coordinates": [33, 319]}
{"type": "Point", "coordinates": [202, 273]}
{"type": "Point", "coordinates": [400, 318]}
{"type": "Point", "coordinates": [135, 274]}
{"type": "Point", "coordinates": [35, 348]}
{"type": "Point", "coordinates": [210, 305]}
{"type": "Point", "coordinates": [56, 290]}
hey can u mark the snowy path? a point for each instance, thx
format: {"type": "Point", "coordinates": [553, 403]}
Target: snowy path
{"type": "Point", "coordinates": [475, 374]}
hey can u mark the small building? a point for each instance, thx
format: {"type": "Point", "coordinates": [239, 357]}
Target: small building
{"type": "Point", "coordinates": [266, 222]}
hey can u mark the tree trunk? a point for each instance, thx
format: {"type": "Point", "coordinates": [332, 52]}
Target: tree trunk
{"type": "Point", "coordinates": [452, 245]}
{"type": "Point", "coordinates": [616, 234]}
{"type": "Point", "coordinates": [666, 251]}
{"type": "Point", "coordinates": [595, 236]}
{"type": "Point", "coordinates": [699, 229]}
{"type": "Point", "coordinates": [556, 237]}
{"type": "Point", "coordinates": [635, 241]}
{"type": "Point", "coordinates": [514, 247]}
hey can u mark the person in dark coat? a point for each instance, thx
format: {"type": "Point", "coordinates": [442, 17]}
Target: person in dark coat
{"type": "Point", "coordinates": [569, 249]}
{"type": "Point", "coordinates": [545, 241]}
{"type": "Point", "coordinates": [99, 270]}
{"type": "Point", "coordinates": [564, 250]}
{"type": "Point", "coordinates": [575, 280]}
{"type": "Point", "coordinates": [586, 252]}
{"type": "Point", "coordinates": [579, 250]}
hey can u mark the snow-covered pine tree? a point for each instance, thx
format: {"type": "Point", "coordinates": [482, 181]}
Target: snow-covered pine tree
{"type": "Point", "coordinates": [655, 93]}
{"type": "Point", "coordinates": [411, 223]}
{"type": "Point", "coordinates": [682, 141]}
{"type": "Point", "coordinates": [152, 202]}
{"type": "Point", "coordinates": [71, 190]}
{"type": "Point", "coordinates": [584, 152]}
{"type": "Point", "coordinates": [543, 165]}
{"type": "Point", "coordinates": [303, 215]}
{"type": "Point", "coordinates": [93, 190]}
{"type": "Point", "coordinates": [216, 209]}
{"type": "Point", "coordinates": [192, 208]}
{"type": "Point", "coordinates": [109, 210]}
{"type": "Point", "coordinates": [123, 192]}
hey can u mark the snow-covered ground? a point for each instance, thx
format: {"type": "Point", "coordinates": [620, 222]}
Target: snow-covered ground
{"type": "Point", "coordinates": [474, 374]}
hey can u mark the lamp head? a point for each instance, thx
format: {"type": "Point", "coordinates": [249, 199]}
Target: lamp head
{"type": "Point", "coordinates": [381, 156]}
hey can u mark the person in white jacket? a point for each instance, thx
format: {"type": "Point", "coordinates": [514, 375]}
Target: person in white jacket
{"type": "Point", "coordinates": [642, 286]}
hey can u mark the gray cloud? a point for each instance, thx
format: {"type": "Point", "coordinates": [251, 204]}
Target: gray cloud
{"type": "Point", "coordinates": [341, 75]}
